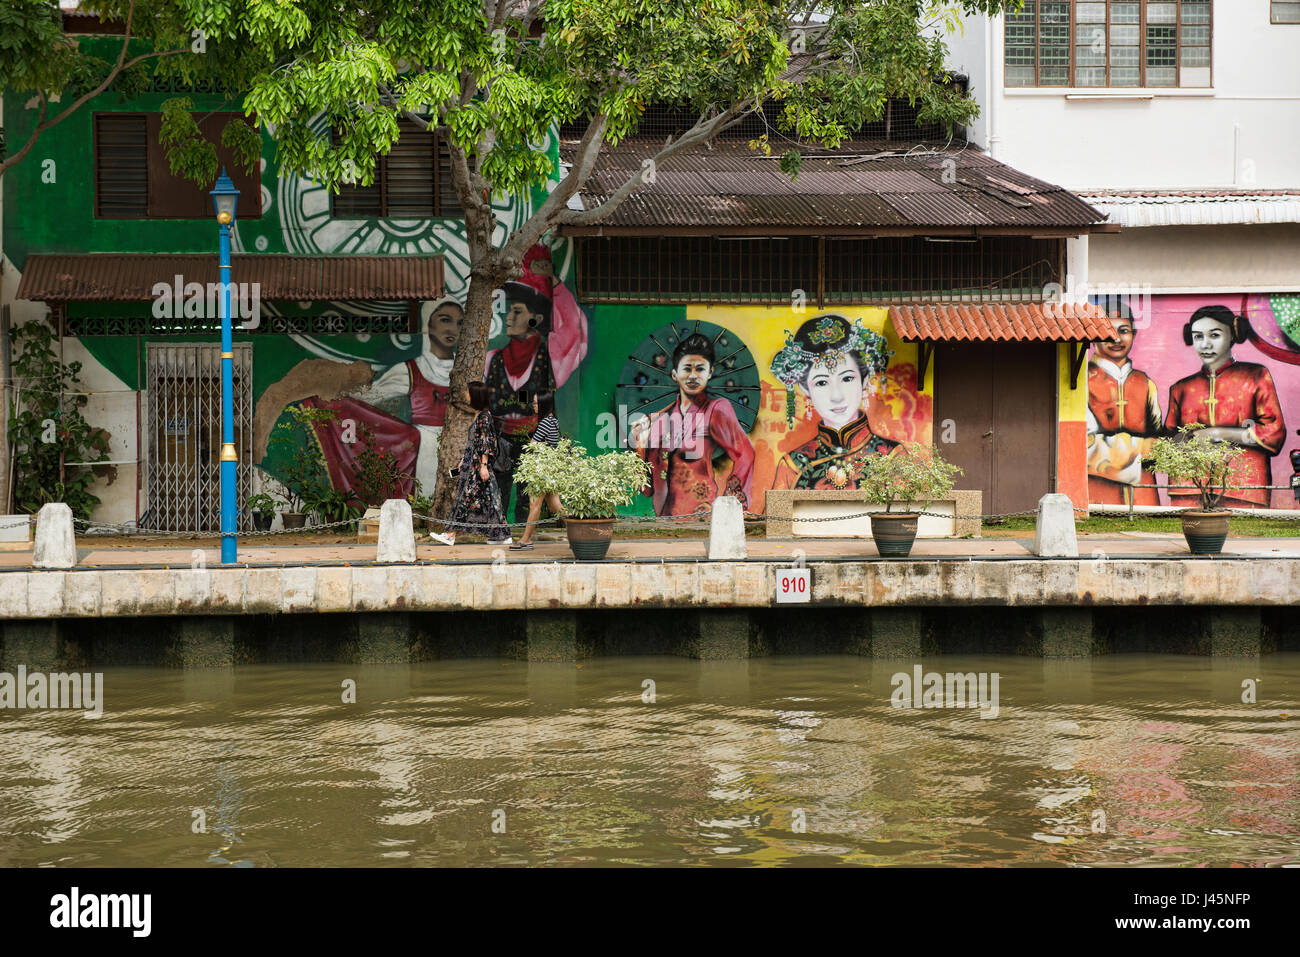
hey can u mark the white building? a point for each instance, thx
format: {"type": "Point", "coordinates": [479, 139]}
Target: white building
{"type": "Point", "coordinates": [1181, 120]}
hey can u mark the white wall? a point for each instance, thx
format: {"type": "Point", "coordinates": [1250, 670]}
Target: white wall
{"type": "Point", "coordinates": [1244, 132]}
{"type": "Point", "coordinates": [1196, 259]}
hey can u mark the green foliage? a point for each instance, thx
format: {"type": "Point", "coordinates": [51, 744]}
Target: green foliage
{"type": "Point", "coordinates": [303, 473]}
{"type": "Point", "coordinates": [911, 473]}
{"type": "Point", "coordinates": [333, 505]}
{"type": "Point", "coordinates": [420, 502]}
{"type": "Point", "coordinates": [48, 431]}
{"type": "Point", "coordinates": [588, 486]}
{"type": "Point", "coordinates": [37, 60]}
{"type": "Point", "coordinates": [262, 504]}
{"type": "Point", "coordinates": [1208, 465]}
{"type": "Point", "coordinates": [378, 476]}
{"type": "Point", "coordinates": [495, 90]}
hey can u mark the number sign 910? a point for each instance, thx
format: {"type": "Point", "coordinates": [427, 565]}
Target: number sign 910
{"type": "Point", "coordinates": [793, 584]}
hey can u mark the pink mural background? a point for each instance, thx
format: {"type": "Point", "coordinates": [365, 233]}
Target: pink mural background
{"type": "Point", "coordinates": [1159, 351]}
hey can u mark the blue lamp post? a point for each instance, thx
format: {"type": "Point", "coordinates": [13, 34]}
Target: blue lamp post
{"type": "Point", "coordinates": [224, 198]}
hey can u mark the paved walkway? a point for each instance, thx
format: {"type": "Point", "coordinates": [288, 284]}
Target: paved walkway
{"type": "Point", "coordinates": [1109, 547]}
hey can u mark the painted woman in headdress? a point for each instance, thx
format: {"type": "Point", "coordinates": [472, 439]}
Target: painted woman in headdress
{"type": "Point", "coordinates": [835, 366]}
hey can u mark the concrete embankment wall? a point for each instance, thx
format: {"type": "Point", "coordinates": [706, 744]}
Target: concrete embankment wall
{"type": "Point", "coordinates": [568, 610]}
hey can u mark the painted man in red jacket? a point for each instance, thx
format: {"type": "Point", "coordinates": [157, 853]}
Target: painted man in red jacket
{"type": "Point", "coordinates": [680, 439]}
{"type": "Point", "coordinates": [1123, 423]}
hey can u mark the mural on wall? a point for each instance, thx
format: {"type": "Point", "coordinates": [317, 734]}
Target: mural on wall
{"type": "Point", "coordinates": [737, 400]}
{"type": "Point", "coordinates": [401, 410]}
{"type": "Point", "coordinates": [836, 368]}
{"type": "Point", "coordinates": [691, 393]}
{"type": "Point", "coordinates": [1228, 364]}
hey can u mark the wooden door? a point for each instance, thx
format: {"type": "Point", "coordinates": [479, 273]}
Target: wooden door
{"type": "Point", "coordinates": [996, 401]}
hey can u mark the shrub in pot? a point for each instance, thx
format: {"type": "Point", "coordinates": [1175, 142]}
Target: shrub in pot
{"type": "Point", "coordinates": [262, 508]}
{"type": "Point", "coordinates": [302, 475]}
{"type": "Point", "coordinates": [591, 488]}
{"type": "Point", "coordinates": [1208, 466]}
{"type": "Point", "coordinates": [911, 473]}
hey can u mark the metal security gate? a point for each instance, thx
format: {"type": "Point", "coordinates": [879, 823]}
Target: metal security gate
{"type": "Point", "coordinates": [184, 435]}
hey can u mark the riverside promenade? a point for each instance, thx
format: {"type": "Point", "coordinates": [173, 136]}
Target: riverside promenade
{"type": "Point", "coordinates": [1133, 591]}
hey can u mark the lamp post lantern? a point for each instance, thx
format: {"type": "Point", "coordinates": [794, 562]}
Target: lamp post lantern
{"type": "Point", "coordinates": [224, 199]}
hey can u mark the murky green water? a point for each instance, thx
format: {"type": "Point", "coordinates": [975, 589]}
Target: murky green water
{"type": "Point", "coordinates": [1116, 761]}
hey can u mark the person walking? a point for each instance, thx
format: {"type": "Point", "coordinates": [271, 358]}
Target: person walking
{"type": "Point", "coordinates": [478, 498]}
{"type": "Point", "coordinates": [547, 431]}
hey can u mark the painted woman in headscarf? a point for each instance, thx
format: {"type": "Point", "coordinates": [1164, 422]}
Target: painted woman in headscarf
{"type": "Point", "coordinates": [373, 407]}
{"type": "Point", "coordinates": [835, 367]}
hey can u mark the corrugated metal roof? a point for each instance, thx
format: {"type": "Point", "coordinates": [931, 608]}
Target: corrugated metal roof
{"type": "Point", "coordinates": [1138, 208]}
{"type": "Point", "coordinates": [860, 185]}
{"type": "Point", "coordinates": [1053, 322]}
{"type": "Point", "coordinates": [105, 277]}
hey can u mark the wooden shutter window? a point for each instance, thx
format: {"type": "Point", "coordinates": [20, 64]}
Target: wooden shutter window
{"type": "Point", "coordinates": [175, 197]}
{"type": "Point", "coordinates": [413, 181]}
{"type": "Point", "coordinates": [410, 176]}
{"type": "Point", "coordinates": [121, 166]}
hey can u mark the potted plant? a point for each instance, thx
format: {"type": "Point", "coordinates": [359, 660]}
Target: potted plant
{"type": "Point", "coordinates": [302, 473]}
{"type": "Point", "coordinates": [591, 487]}
{"type": "Point", "coordinates": [262, 508]}
{"type": "Point", "coordinates": [911, 473]}
{"type": "Point", "coordinates": [1207, 465]}
{"type": "Point", "coordinates": [333, 505]}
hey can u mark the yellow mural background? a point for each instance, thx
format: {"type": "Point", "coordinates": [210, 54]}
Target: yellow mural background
{"type": "Point", "coordinates": [898, 411]}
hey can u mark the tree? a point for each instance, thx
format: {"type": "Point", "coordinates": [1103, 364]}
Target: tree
{"type": "Point", "coordinates": [493, 75]}
{"type": "Point", "coordinates": [62, 75]}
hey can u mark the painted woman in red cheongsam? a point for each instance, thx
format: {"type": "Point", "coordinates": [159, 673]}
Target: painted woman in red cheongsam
{"type": "Point", "coordinates": [1235, 401]}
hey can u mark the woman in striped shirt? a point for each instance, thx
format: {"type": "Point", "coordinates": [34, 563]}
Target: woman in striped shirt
{"type": "Point", "coordinates": [548, 431]}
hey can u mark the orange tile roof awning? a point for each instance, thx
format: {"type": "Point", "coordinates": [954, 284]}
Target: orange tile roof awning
{"type": "Point", "coordinates": [1018, 322]}
{"type": "Point", "coordinates": [131, 277]}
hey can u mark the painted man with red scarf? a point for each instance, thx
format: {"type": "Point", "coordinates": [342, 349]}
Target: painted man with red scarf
{"type": "Point", "coordinates": [1235, 401]}
{"type": "Point", "coordinates": [548, 339]}
{"type": "Point", "coordinates": [679, 440]}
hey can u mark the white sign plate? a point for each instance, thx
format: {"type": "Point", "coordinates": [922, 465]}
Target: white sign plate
{"type": "Point", "coordinates": [793, 584]}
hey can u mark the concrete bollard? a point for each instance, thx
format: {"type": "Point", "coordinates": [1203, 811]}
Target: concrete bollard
{"type": "Point", "coordinates": [727, 529]}
{"type": "Point", "coordinates": [1054, 535]}
{"type": "Point", "coordinates": [396, 534]}
{"type": "Point", "coordinates": [56, 546]}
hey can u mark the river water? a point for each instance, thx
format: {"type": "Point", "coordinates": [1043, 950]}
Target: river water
{"type": "Point", "coordinates": [1125, 760]}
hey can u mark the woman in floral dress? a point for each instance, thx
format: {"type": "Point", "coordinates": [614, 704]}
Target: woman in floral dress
{"type": "Point", "coordinates": [478, 497]}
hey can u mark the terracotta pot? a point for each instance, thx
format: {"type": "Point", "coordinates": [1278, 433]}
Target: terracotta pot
{"type": "Point", "coordinates": [894, 533]}
{"type": "Point", "coordinates": [293, 519]}
{"type": "Point", "coordinates": [589, 538]}
{"type": "Point", "coordinates": [1205, 531]}
{"type": "Point", "coordinates": [261, 522]}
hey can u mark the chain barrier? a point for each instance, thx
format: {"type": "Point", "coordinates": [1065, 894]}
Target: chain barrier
{"type": "Point", "coordinates": [697, 519]}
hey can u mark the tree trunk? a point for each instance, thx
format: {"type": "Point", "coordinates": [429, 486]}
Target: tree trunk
{"type": "Point", "coordinates": [471, 349]}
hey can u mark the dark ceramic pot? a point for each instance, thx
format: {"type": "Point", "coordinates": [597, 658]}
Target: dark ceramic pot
{"type": "Point", "coordinates": [261, 522]}
{"type": "Point", "coordinates": [894, 533]}
{"type": "Point", "coordinates": [294, 519]}
{"type": "Point", "coordinates": [1205, 531]}
{"type": "Point", "coordinates": [589, 538]}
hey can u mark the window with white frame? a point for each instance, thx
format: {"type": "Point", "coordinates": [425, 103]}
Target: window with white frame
{"type": "Point", "coordinates": [1109, 43]}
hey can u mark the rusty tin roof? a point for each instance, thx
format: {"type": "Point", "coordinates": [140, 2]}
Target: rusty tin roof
{"type": "Point", "coordinates": [113, 277]}
{"type": "Point", "coordinates": [863, 188]}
